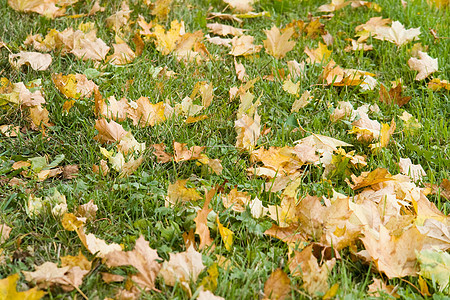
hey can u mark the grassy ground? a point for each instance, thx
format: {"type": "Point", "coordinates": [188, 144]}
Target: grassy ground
{"type": "Point", "coordinates": [129, 207]}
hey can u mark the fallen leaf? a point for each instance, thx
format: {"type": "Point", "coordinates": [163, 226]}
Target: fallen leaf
{"type": "Point", "coordinates": [143, 258]}
{"type": "Point", "coordinates": [109, 132]}
{"type": "Point", "coordinates": [226, 234]}
{"type": "Point", "coordinates": [436, 84]}
{"type": "Point", "coordinates": [319, 55]}
{"type": "Point", "coordinates": [396, 34]}
{"type": "Point", "coordinates": [435, 265]}
{"type": "Point", "coordinates": [5, 230]}
{"type": "Point", "coordinates": [48, 274]}
{"type": "Point", "coordinates": [304, 100]}
{"type": "Point", "coordinates": [416, 172]}
{"type": "Point", "coordinates": [425, 65]}
{"type": "Point", "coordinates": [393, 96]}
{"type": "Point", "coordinates": [333, 6]}
{"type": "Point", "coordinates": [277, 286]}
{"type": "Point", "coordinates": [378, 286]}
{"type": "Point", "coordinates": [37, 61]}
{"type": "Point", "coordinates": [248, 131]}
{"type": "Point", "coordinates": [8, 289]}
{"type": "Point", "coordinates": [122, 54]}
{"type": "Point", "coordinates": [367, 179]}
{"type": "Point", "coordinates": [97, 246]}
{"type": "Point", "coordinates": [315, 277]}
{"type": "Point", "coordinates": [223, 30]}
{"type": "Point", "coordinates": [182, 267]}
{"type": "Point", "coordinates": [395, 256]}
{"type": "Point", "coordinates": [243, 46]}
{"type": "Point", "coordinates": [207, 295]}
{"type": "Point", "coordinates": [278, 44]}
{"type": "Point", "coordinates": [201, 226]}
{"type": "Point", "coordinates": [240, 6]}
{"type": "Point", "coordinates": [179, 192]}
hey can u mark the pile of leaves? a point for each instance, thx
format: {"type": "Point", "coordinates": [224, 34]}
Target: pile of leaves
{"type": "Point", "coordinates": [385, 220]}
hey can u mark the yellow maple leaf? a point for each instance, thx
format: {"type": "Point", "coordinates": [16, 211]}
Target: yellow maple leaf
{"type": "Point", "coordinates": [8, 290]}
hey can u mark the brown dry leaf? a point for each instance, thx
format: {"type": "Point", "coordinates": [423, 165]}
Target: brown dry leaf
{"type": "Point", "coordinates": [70, 172]}
{"type": "Point", "coordinates": [223, 30]}
{"type": "Point", "coordinates": [161, 155]}
{"type": "Point", "coordinates": [322, 142]}
{"type": "Point", "coordinates": [248, 131]}
{"type": "Point", "coordinates": [146, 113]}
{"type": "Point", "coordinates": [396, 34]}
{"type": "Point", "coordinates": [88, 46]}
{"type": "Point", "coordinates": [201, 227]}
{"type": "Point", "coordinates": [243, 46]}
{"type": "Point", "coordinates": [314, 277]}
{"type": "Point", "coordinates": [416, 172]}
{"type": "Point", "coordinates": [5, 230]}
{"type": "Point", "coordinates": [240, 71]}
{"type": "Point", "coordinates": [182, 267]}
{"type": "Point", "coordinates": [357, 46]}
{"type": "Point", "coordinates": [8, 289]}
{"type": "Point", "coordinates": [291, 235]}
{"type": "Point", "coordinates": [278, 44]}
{"type": "Point", "coordinates": [113, 109]}
{"type": "Point", "coordinates": [37, 61]}
{"type": "Point", "coordinates": [394, 255]}
{"type": "Point", "coordinates": [102, 168]}
{"type": "Point", "coordinates": [120, 20]}
{"type": "Point", "coordinates": [48, 274]}
{"type": "Point", "coordinates": [319, 55]}
{"type": "Point", "coordinates": [122, 54]}
{"type": "Point", "coordinates": [236, 200]}
{"type": "Point", "coordinates": [131, 166]}
{"type": "Point", "coordinates": [143, 258]}
{"type": "Point", "coordinates": [366, 130]}
{"type": "Point", "coordinates": [190, 49]}
{"type": "Point", "coordinates": [182, 153]}
{"type": "Point", "coordinates": [207, 295]}
{"type": "Point", "coordinates": [240, 6]}
{"type": "Point", "coordinates": [95, 245]}
{"type": "Point", "coordinates": [367, 179]}
{"type": "Point", "coordinates": [277, 286]}
{"type": "Point", "coordinates": [76, 261]}
{"type": "Point", "coordinates": [39, 117]}
{"type": "Point", "coordinates": [179, 192]}
{"type": "Point", "coordinates": [88, 210]}
{"type": "Point", "coordinates": [378, 286]}
{"type": "Point", "coordinates": [393, 96]}
{"type": "Point", "coordinates": [425, 65]}
{"type": "Point", "coordinates": [109, 132]}
{"type": "Point", "coordinates": [333, 6]}
{"type": "Point", "coordinates": [74, 86]}
{"type": "Point", "coordinates": [46, 8]}
{"type": "Point", "coordinates": [10, 130]}
{"type": "Point", "coordinates": [108, 277]}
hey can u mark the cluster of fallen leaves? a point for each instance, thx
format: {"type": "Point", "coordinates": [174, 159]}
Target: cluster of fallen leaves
{"type": "Point", "coordinates": [389, 221]}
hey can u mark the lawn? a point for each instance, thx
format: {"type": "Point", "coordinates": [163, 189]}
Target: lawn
{"type": "Point", "coordinates": [114, 137]}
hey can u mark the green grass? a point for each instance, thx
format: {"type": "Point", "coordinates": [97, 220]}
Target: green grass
{"type": "Point", "coordinates": [129, 207]}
